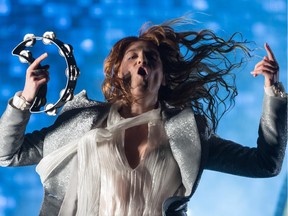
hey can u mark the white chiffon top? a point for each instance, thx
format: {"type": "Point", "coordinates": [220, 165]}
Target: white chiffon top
{"type": "Point", "coordinates": [141, 191]}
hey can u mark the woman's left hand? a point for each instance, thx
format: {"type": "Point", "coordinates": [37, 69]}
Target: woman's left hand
{"type": "Point", "coordinates": [268, 67]}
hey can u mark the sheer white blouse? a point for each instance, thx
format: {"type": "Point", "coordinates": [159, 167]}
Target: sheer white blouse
{"type": "Point", "coordinates": [109, 186]}
{"type": "Point", "coordinates": [140, 191]}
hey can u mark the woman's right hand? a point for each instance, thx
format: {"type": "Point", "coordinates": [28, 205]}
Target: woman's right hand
{"type": "Point", "coordinates": [35, 77]}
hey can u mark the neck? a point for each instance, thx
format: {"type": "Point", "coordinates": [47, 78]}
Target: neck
{"type": "Point", "coordinates": [138, 107]}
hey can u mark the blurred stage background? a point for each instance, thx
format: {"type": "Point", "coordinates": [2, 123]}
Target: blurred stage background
{"type": "Point", "coordinates": [92, 27]}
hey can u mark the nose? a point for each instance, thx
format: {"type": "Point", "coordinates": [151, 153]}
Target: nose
{"type": "Point", "coordinates": [142, 59]}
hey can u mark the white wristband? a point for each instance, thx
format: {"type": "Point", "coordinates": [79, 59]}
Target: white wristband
{"type": "Point", "coordinates": [20, 102]}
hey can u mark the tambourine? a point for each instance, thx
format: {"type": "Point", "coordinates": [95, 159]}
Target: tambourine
{"type": "Point", "coordinates": [72, 72]}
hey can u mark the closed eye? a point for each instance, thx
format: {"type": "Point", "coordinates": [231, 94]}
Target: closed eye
{"type": "Point", "coordinates": [153, 56]}
{"type": "Point", "coordinates": [133, 56]}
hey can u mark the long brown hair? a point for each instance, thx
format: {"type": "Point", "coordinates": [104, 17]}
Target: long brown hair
{"type": "Point", "coordinates": [196, 65]}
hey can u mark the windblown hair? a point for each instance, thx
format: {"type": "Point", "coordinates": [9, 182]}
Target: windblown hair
{"type": "Point", "coordinates": [196, 65]}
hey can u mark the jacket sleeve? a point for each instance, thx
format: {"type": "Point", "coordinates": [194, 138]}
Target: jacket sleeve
{"type": "Point", "coordinates": [20, 149]}
{"type": "Point", "coordinates": [266, 159]}
{"type": "Point", "coordinates": [16, 148]}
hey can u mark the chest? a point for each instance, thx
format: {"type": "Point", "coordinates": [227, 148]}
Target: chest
{"type": "Point", "coordinates": [142, 188]}
{"type": "Point", "coordinates": [135, 144]}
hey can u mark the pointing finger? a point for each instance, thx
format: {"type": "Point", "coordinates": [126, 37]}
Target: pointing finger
{"type": "Point", "coordinates": [269, 52]}
{"type": "Point", "coordinates": [38, 60]}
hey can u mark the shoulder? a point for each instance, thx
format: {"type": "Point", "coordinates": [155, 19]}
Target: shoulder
{"type": "Point", "coordinates": [169, 113]}
{"type": "Point", "coordinates": [186, 113]}
{"type": "Point", "coordinates": [81, 101]}
{"type": "Point", "coordinates": [82, 106]}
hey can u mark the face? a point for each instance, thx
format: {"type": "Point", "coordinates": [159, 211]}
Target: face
{"type": "Point", "coordinates": [142, 66]}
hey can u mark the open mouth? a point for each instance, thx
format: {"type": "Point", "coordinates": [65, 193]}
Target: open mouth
{"type": "Point", "coordinates": [142, 72]}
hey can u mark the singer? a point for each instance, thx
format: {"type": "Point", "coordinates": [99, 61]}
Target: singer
{"type": "Point", "coordinates": [142, 152]}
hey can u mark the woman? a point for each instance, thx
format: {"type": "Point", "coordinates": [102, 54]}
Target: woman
{"type": "Point", "coordinates": [143, 152]}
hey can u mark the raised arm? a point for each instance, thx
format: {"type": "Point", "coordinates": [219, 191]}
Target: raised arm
{"type": "Point", "coordinates": [16, 149]}
{"type": "Point", "coordinates": [266, 159]}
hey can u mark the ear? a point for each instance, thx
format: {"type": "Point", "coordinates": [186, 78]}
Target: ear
{"type": "Point", "coordinates": [120, 74]}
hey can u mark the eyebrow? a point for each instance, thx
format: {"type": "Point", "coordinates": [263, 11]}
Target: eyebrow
{"type": "Point", "coordinates": [153, 51]}
{"type": "Point", "coordinates": [131, 50]}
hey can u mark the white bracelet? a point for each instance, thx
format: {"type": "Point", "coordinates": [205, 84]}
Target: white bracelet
{"type": "Point", "coordinates": [21, 103]}
{"type": "Point", "coordinates": [25, 101]}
